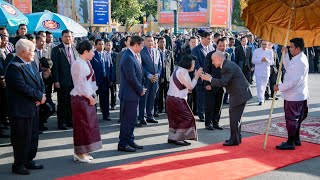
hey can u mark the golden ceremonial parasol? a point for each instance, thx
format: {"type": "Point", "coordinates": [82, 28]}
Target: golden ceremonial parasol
{"type": "Point", "coordinates": [279, 20]}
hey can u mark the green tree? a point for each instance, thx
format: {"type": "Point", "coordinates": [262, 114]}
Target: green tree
{"type": "Point", "coordinates": [126, 11]}
{"type": "Point", "coordinates": [149, 6]}
{"type": "Point", "coordinates": [41, 5]}
{"type": "Point", "coordinates": [236, 15]}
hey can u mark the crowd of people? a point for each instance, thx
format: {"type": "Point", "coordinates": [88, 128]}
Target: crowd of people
{"type": "Point", "coordinates": [182, 76]}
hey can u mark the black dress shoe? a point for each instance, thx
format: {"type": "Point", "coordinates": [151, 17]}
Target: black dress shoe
{"type": "Point", "coordinates": [22, 171]}
{"type": "Point", "coordinates": [134, 145]}
{"type": "Point", "coordinates": [217, 127]}
{"type": "Point", "coordinates": [127, 148]}
{"type": "Point", "coordinates": [107, 119]}
{"type": "Point", "coordinates": [62, 128]}
{"type": "Point", "coordinates": [171, 141]}
{"type": "Point", "coordinates": [201, 120]}
{"type": "Point", "coordinates": [138, 124]}
{"type": "Point", "coordinates": [286, 146]}
{"type": "Point", "coordinates": [156, 115]}
{"type": "Point", "coordinates": [143, 122]}
{"type": "Point", "coordinates": [228, 143]}
{"type": "Point", "coordinates": [152, 121]}
{"type": "Point", "coordinates": [113, 108]}
{"type": "Point", "coordinates": [4, 135]}
{"type": "Point", "coordinates": [70, 125]}
{"type": "Point", "coordinates": [210, 127]}
{"type": "Point", "coordinates": [297, 143]}
{"type": "Point", "coordinates": [260, 103]}
{"type": "Point", "coordinates": [182, 143]}
{"type": "Point", "coordinates": [43, 128]}
{"type": "Point", "coordinates": [34, 166]}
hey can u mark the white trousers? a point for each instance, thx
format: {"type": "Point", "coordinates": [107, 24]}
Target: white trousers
{"type": "Point", "coordinates": [261, 87]}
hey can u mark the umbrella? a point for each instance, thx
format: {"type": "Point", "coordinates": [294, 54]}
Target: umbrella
{"type": "Point", "coordinates": [278, 20]}
{"type": "Point", "coordinates": [55, 23]}
{"type": "Point", "coordinates": [11, 17]}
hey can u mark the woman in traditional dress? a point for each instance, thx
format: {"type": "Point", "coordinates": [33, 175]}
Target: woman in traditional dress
{"type": "Point", "coordinates": [86, 134]}
{"type": "Point", "coordinates": [182, 124]}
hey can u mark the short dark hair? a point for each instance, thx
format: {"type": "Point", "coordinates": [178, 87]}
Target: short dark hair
{"type": "Point", "coordinates": [148, 36]}
{"type": "Point", "coordinates": [166, 31]}
{"type": "Point", "coordinates": [194, 37]}
{"type": "Point", "coordinates": [298, 43]}
{"type": "Point", "coordinates": [186, 61]}
{"type": "Point", "coordinates": [38, 37]}
{"type": "Point", "coordinates": [84, 46]}
{"type": "Point", "coordinates": [65, 32]}
{"type": "Point", "coordinates": [45, 62]}
{"type": "Point", "coordinates": [231, 39]}
{"type": "Point", "coordinates": [216, 35]}
{"type": "Point", "coordinates": [30, 36]}
{"type": "Point", "coordinates": [127, 38]}
{"type": "Point", "coordinates": [107, 41]}
{"type": "Point", "coordinates": [39, 32]}
{"type": "Point", "coordinates": [243, 37]}
{"type": "Point", "coordinates": [221, 40]}
{"type": "Point", "coordinates": [48, 33]}
{"type": "Point", "coordinates": [21, 25]}
{"type": "Point", "coordinates": [136, 40]}
{"type": "Point", "coordinates": [161, 38]}
{"type": "Point", "coordinates": [97, 41]}
{"type": "Point", "coordinates": [205, 34]}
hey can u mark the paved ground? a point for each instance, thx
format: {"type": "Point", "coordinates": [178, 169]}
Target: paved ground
{"type": "Point", "coordinates": [56, 147]}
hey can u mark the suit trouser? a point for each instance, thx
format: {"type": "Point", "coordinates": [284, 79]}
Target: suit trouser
{"type": "Point", "coordinates": [295, 113]}
{"type": "Point", "coordinates": [128, 111]}
{"type": "Point", "coordinates": [200, 100]}
{"type": "Point", "coordinates": [213, 102]}
{"type": "Point", "coordinates": [24, 139]}
{"type": "Point", "coordinates": [161, 96]}
{"type": "Point", "coordinates": [235, 114]}
{"type": "Point", "coordinates": [103, 91]}
{"type": "Point", "coordinates": [64, 112]}
{"type": "Point", "coordinates": [113, 90]}
{"type": "Point", "coordinates": [3, 105]}
{"type": "Point", "coordinates": [147, 101]}
{"type": "Point", "coordinates": [262, 83]}
{"type": "Point", "coordinates": [247, 74]}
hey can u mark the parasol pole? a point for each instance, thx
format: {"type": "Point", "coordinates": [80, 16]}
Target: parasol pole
{"type": "Point", "coordinates": [279, 76]}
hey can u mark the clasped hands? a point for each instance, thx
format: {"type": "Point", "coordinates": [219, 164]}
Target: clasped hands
{"type": "Point", "coordinates": [43, 100]}
{"type": "Point", "coordinates": [154, 78]}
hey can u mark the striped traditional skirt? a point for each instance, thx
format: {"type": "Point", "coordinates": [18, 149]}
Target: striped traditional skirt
{"type": "Point", "coordinates": [182, 124]}
{"type": "Point", "coordinates": [86, 133]}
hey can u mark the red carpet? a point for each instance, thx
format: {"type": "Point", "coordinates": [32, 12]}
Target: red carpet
{"type": "Point", "coordinates": [210, 162]}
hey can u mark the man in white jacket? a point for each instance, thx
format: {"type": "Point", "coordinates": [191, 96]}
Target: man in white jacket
{"type": "Point", "coordinates": [294, 91]}
{"type": "Point", "coordinates": [262, 59]}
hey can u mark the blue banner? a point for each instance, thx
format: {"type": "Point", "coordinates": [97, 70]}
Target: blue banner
{"type": "Point", "coordinates": [101, 12]}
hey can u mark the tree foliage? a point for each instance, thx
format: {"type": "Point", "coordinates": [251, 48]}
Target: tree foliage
{"type": "Point", "coordinates": [149, 7]}
{"type": "Point", "coordinates": [236, 16]}
{"type": "Point", "coordinates": [41, 5]}
{"type": "Point", "coordinates": [126, 11]}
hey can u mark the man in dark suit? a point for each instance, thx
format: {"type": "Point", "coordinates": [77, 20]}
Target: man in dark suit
{"type": "Point", "coordinates": [131, 89]}
{"type": "Point", "coordinates": [119, 56]}
{"type": "Point", "coordinates": [214, 95]}
{"type": "Point", "coordinates": [166, 57]}
{"type": "Point", "coordinates": [151, 65]}
{"type": "Point", "coordinates": [113, 88]}
{"type": "Point", "coordinates": [239, 91]}
{"type": "Point", "coordinates": [201, 52]}
{"type": "Point", "coordinates": [103, 68]}
{"type": "Point", "coordinates": [243, 57]}
{"type": "Point", "coordinates": [168, 39]}
{"type": "Point", "coordinates": [25, 88]}
{"type": "Point", "coordinates": [62, 57]}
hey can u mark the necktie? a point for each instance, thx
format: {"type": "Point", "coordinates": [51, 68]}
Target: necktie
{"type": "Point", "coordinates": [69, 55]}
{"type": "Point", "coordinates": [103, 64]}
{"type": "Point", "coordinates": [30, 68]}
{"type": "Point", "coordinates": [244, 50]}
{"type": "Point", "coordinates": [39, 54]}
{"type": "Point", "coordinates": [150, 52]}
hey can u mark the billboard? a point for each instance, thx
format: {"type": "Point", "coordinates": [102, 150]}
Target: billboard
{"type": "Point", "coordinates": [25, 6]}
{"type": "Point", "coordinates": [65, 8]}
{"type": "Point", "coordinates": [101, 10]}
{"type": "Point", "coordinates": [196, 13]}
{"type": "Point", "coordinates": [190, 13]}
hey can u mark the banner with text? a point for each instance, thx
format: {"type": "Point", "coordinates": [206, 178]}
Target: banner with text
{"type": "Point", "coordinates": [220, 13]}
{"type": "Point", "coordinates": [24, 6]}
{"type": "Point", "coordinates": [191, 13]}
{"type": "Point", "coordinates": [101, 12]}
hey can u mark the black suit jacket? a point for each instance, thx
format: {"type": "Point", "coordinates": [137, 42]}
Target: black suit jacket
{"type": "Point", "coordinates": [24, 89]}
{"type": "Point", "coordinates": [235, 82]}
{"type": "Point", "coordinates": [61, 69]}
{"type": "Point", "coordinates": [243, 60]}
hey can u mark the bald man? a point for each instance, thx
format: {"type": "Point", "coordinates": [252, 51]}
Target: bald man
{"type": "Point", "coordinates": [238, 88]}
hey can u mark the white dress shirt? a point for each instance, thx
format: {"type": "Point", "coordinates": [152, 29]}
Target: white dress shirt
{"type": "Point", "coordinates": [79, 72]}
{"type": "Point", "coordinates": [295, 83]}
{"type": "Point", "coordinates": [184, 78]}
{"type": "Point", "coordinates": [262, 69]}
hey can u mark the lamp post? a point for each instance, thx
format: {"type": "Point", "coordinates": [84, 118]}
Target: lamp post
{"type": "Point", "coordinates": [174, 6]}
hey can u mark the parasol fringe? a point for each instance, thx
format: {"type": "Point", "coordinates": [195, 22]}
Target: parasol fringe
{"type": "Point", "coordinates": [279, 76]}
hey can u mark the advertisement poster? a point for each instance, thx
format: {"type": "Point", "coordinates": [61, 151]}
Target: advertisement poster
{"type": "Point", "coordinates": [65, 8]}
{"type": "Point", "coordinates": [220, 13]}
{"type": "Point", "coordinates": [82, 11]}
{"type": "Point", "coordinates": [190, 12]}
{"type": "Point", "coordinates": [101, 12]}
{"type": "Point", "coordinates": [25, 6]}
